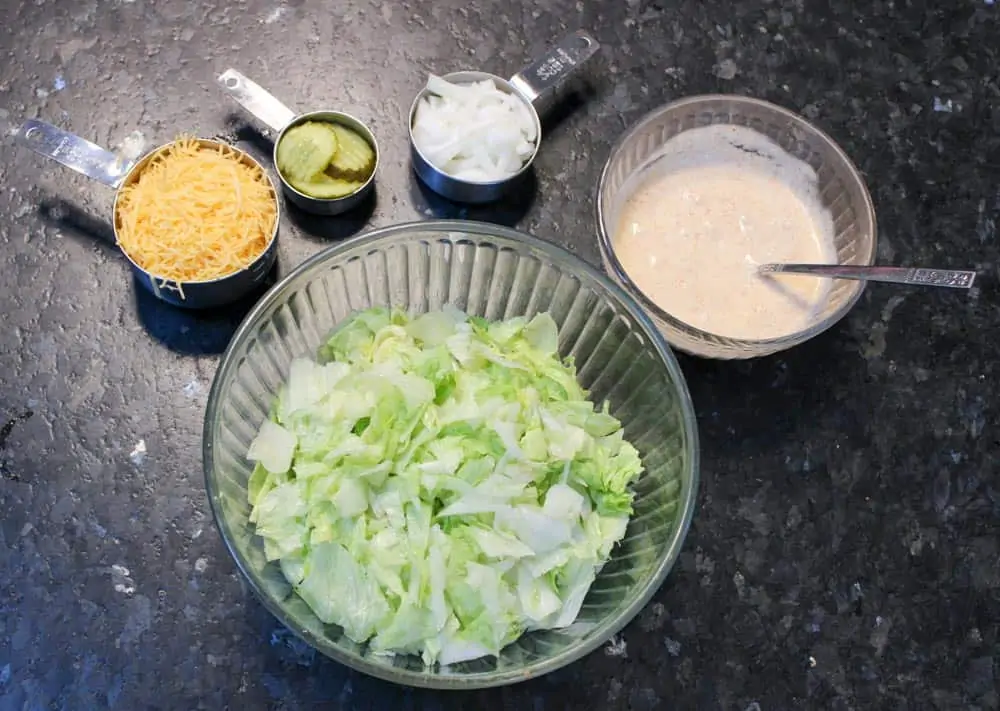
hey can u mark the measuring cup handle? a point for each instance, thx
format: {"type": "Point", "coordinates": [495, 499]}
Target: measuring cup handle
{"type": "Point", "coordinates": [256, 99]}
{"type": "Point", "coordinates": [539, 80]}
{"type": "Point", "coordinates": [73, 152]}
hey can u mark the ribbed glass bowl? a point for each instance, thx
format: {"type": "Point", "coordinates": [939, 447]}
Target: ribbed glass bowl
{"type": "Point", "coordinates": [497, 273]}
{"type": "Point", "coordinates": [839, 184]}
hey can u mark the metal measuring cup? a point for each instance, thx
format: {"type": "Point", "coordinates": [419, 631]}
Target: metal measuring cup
{"type": "Point", "coordinates": [105, 167]}
{"type": "Point", "coordinates": [279, 118]}
{"type": "Point", "coordinates": [535, 86]}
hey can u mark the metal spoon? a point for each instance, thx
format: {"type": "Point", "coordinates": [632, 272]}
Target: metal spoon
{"type": "Point", "coordinates": [894, 275]}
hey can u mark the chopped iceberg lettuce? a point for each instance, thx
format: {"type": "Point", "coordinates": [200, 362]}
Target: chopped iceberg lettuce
{"type": "Point", "coordinates": [439, 485]}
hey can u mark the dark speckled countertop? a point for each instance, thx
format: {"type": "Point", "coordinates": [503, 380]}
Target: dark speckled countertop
{"type": "Point", "coordinates": [844, 554]}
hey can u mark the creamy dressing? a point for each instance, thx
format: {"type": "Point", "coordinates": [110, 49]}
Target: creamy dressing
{"type": "Point", "coordinates": [719, 201]}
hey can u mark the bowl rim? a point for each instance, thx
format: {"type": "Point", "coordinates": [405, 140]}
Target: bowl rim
{"type": "Point", "coordinates": [602, 632]}
{"type": "Point", "coordinates": [764, 345]}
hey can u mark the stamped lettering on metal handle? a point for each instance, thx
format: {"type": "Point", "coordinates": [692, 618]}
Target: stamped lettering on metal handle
{"type": "Point", "coordinates": [256, 99]}
{"type": "Point", "coordinates": [918, 276]}
{"type": "Point", "coordinates": [943, 277]}
{"type": "Point", "coordinates": [73, 152]}
{"type": "Point", "coordinates": [540, 79]}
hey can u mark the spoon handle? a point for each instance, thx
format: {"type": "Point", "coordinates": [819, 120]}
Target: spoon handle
{"type": "Point", "coordinates": [895, 275]}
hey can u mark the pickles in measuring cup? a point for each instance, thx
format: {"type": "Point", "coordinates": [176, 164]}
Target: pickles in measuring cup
{"type": "Point", "coordinates": [306, 150]}
{"type": "Point", "coordinates": [325, 160]}
{"type": "Point", "coordinates": [354, 159]}
{"type": "Point", "coordinates": [325, 187]}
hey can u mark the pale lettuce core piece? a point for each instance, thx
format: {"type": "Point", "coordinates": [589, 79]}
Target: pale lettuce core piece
{"type": "Point", "coordinates": [439, 485]}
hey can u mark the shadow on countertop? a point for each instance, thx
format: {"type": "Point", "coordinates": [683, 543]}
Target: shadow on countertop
{"type": "Point", "coordinates": [239, 130]}
{"type": "Point", "coordinates": [508, 211]}
{"type": "Point", "coordinates": [189, 332]}
{"type": "Point", "coordinates": [566, 103]}
{"type": "Point", "coordinates": [77, 223]}
{"type": "Point", "coordinates": [196, 331]}
{"type": "Point", "coordinates": [328, 229]}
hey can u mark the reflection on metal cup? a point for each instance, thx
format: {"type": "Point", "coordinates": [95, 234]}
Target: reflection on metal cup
{"type": "Point", "coordinates": [99, 164]}
{"type": "Point", "coordinates": [536, 86]}
{"type": "Point", "coordinates": [279, 118]}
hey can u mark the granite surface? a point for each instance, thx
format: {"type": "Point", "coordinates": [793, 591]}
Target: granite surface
{"type": "Point", "coordinates": [844, 554]}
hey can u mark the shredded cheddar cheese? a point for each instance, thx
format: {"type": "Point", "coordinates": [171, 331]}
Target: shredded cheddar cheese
{"type": "Point", "coordinates": [196, 213]}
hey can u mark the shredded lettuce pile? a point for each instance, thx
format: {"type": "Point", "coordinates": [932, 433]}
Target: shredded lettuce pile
{"type": "Point", "coordinates": [439, 485]}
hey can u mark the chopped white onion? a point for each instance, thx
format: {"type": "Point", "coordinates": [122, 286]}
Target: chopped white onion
{"type": "Point", "coordinates": [474, 131]}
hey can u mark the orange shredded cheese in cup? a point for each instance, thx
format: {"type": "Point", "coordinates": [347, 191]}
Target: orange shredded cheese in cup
{"type": "Point", "coordinates": [196, 213]}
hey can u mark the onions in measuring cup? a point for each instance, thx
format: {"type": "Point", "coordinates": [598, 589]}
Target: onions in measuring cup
{"type": "Point", "coordinates": [473, 131]}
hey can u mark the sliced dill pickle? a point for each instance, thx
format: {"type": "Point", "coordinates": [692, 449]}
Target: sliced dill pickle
{"type": "Point", "coordinates": [306, 150]}
{"type": "Point", "coordinates": [324, 187]}
{"type": "Point", "coordinates": [354, 159]}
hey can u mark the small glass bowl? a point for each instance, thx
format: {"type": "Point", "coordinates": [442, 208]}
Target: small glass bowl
{"type": "Point", "coordinates": [497, 273]}
{"type": "Point", "coordinates": [840, 186]}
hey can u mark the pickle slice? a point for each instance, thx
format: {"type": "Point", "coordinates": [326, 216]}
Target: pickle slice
{"type": "Point", "coordinates": [354, 159]}
{"type": "Point", "coordinates": [306, 150]}
{"type": "Point", "coordinates": [324, 187]}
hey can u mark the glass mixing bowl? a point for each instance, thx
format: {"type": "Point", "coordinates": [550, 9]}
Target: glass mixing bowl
{"type": "Point", "coordinates": [497, 273]}
{"type": "Point", "coordinates": [841, 189]}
